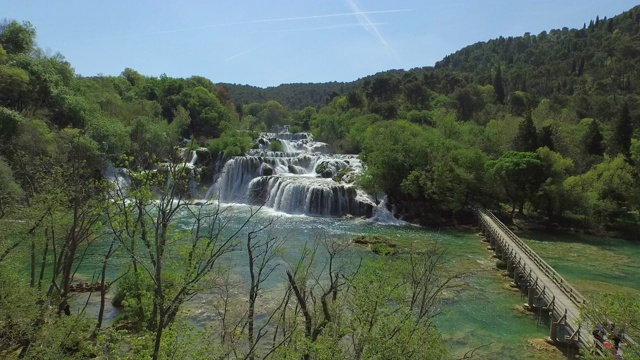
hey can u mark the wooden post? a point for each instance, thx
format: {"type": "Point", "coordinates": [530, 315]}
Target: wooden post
{"type": "Point", "coordinates": [531, 296]}
{"type": "Point", "coordinates": [554, 327]}
{"type": "Point", "coordinates": [554, 331]}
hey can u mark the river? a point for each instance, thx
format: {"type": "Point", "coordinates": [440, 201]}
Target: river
{"type": "Point", "coordinates": [481, 313]}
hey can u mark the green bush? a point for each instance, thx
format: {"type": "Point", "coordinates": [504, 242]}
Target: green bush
{"type": "Point", "coordinates": [276, 145]}
{"type": "Point", "coordinates": [231, 143]}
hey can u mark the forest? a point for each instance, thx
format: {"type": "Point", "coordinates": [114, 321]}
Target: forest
{"type": "Point", "coordinates": [544, 128]}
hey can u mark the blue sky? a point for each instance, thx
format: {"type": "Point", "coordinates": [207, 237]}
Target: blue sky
{"type": "Point", "coordinates": [269, 42]}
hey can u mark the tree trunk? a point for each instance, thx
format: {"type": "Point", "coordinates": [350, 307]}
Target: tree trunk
{"type": "Point", "coordinates": [33, 262]}
{"type": "Point", "coordinates": [103, 288]}
{"type": "Point", "coordinates": [252, 298]}
{"type": "Point", "coordinates": [156, 347]}
{"type": "Point", "coordinates": [43, 264]}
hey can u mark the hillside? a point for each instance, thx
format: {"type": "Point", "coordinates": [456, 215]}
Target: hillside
{"type": "Point", "coordinates": [292, 96]}
{"type": "Point", "coordinates": [573, 91]}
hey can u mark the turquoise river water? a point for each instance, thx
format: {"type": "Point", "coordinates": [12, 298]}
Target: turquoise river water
{"type": "Point", "coordinates": [481, 311]}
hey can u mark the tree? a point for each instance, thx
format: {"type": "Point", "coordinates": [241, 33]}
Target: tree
{"type": "Point", "coordinates": [606, 191]}
{"type": "Point", "coordinates": [393, 306]}
{"type": "Point", "coordinates": [17, 38]}
{"type": "Point", "coordinates": [469, 100]}
{"type": "Point", "coordinates": [206, 112]}
{"type": "Point", "coordinates": [69, 110]}
{"type": "Point", "coordinates": [306, 116]}
{"type": "Point", "coordinates": [273, 115]}
{"type": "Point", "coordinates": [581, 66]}
{"type": "Point", "coordinates": [622, 132]}
{"type": "Point", "coordinates": [382, 88]}
{"type": "Point", "coordinates": [76, 208]}
{"type": "Point", "coordinates": [552, 198]}
{"type": "Point", "coordinates": [382, 307]}
{"type": "Point", "coordinates": [9, 124]}
{"type": "Point", "coordinates": [498, 85]}
{"type": "Point", "coordinates": [592, 140]}
{"type": "Point", "coordinates": [151, 139]}
{"type": "Point", "coordinates": [10, 191]}
{"type": "Point", "coordinates": [416, 95]}
{"type": "Point", "coordinates": [355, 99]}
{"type": "Point", "coordinates": [519, 174]}
{"type": "Point", "coordinates": [527, 138]}
{"type": "Point", "coordinates": [175, 261]}
{"type": "Point", "coordinates": [48, 77]}
{"type": "Point", "coordinates": [546, 137]}
{"type": "Point", "coordinates": [317, 301]}
{"type": "Point", "coordinates": [261, 254]}
{"type": "Point", "coordinates": [620, 309]}
{"type": "Point", "coordinates": [14, 83]}
{"type": "Point", "coordinates": [518, 103]}
{"type": "Point", "coordinates": [231, 143]}
{"type": "Point", "coordinates": [133, 77]}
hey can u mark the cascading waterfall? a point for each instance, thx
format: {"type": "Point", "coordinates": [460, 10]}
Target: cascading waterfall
{"type": "Point", "coordinates": [118, 178]}
{"type": "Point", "coordinates": [194, 158]}
{"type": "Point", "coordinates": [302, 179]}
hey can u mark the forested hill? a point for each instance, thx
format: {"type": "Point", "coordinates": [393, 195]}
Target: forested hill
{"type": "Point", "coordinates": [562, 104]}
{"type": "Point", "coordinates": [450, 136]}
{"type": "Point", "coordinates": [293, 96]}
{"type": "Point", "coordinates": [602, 58]}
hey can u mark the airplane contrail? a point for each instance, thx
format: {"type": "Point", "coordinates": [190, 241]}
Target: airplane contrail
{"type": "Point", "coordinates": [340, 26]}
{"type": "Point", "coordinates": [369, 25]}
{"type": "Point", "coordinates": [237, 55]}
{"type": "Point", "coordinates": [356, 12]}
{"type": "Point", "coordinates": [365, 22]}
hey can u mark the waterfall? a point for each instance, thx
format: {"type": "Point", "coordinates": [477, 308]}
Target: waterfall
{"type": "Point", "coordinates": [194, 158]}
{"type": "Point", "coordinates": [383, 216]}
{"type": "Point", "coordinates": [301, 179]}
{"type": "Point", "coordinates": [118, 178]}
{"type": "Point", "coordinates": [308, 195]}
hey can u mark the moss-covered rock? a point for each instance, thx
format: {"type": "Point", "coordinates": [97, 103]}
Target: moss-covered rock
{"type": "Point", "coordinates": [377, 244]}
{"type": "Point", "coordinates": [324, 170]}
{"type": "Point", "coordinates": [342, 175]}
{"type": "Point", "coordinates": [203, 154]}
{"type": "Point", "coordinates": [266, 170]}
{"type": "Point", "coordinates": [292, 169]}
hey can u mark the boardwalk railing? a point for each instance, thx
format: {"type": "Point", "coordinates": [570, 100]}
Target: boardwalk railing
{"type": "Point", "coordinates": [567, 314]}
{"type": "Point", "coordinates": [563, 284]}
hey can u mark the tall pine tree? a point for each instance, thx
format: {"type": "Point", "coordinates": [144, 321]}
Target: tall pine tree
{"type": "Point", "coordinates": [546, 138]}
{"type": "Point", "coordinates": [527, 137]}
{"type": "Point", "coordinates": [498, 85]}
{"type": "Point", "coordinates": [622, 132]}
{"type": "Point", "coordinates": [592, 140]}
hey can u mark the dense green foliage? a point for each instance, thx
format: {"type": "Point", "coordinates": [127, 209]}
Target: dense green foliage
{"type": "Point", "coordinates": [293, 96]}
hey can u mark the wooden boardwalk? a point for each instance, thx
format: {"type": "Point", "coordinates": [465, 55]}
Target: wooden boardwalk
{"type": "Point", "coordinates": [545, 288]}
